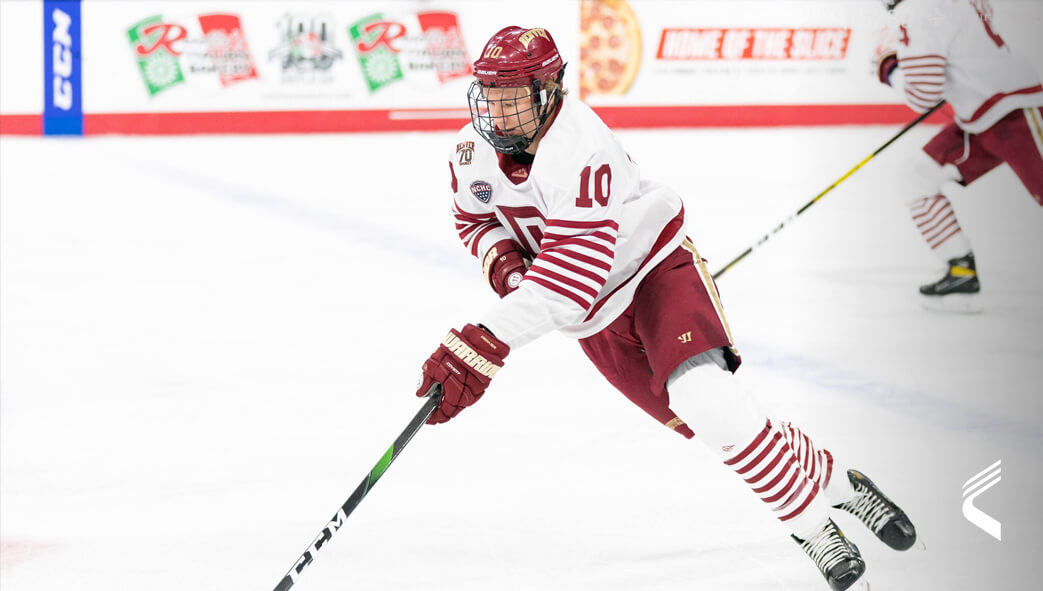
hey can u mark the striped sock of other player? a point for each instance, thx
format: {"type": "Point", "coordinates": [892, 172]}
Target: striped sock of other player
{"type": "Point", "coordinates": [936, 220]}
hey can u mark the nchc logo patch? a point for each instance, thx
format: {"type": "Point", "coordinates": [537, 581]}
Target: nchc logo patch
{"type": "Point", "coordinates": [482, 190]}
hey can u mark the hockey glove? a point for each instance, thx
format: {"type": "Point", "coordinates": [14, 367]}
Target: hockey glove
{"type": "Point", "coordinates": [885, 66]}
{"type": "Point", "coordinates": [464, 364]}
{"type": "Point", "coordinates": [504, 266]}
{"type": "Point", "coordinates": [885, 55]}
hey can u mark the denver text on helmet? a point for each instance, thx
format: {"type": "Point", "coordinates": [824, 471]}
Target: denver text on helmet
{"type": "Point", "coordinates": [517, 87]}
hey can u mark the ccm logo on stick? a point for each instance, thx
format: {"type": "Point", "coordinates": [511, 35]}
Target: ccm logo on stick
{"type": "Point", "coordinates": [61, 59]}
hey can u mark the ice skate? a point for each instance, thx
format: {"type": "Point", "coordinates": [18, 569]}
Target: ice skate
{"type": "Point", "coordinates": [881, 515]}
{"type": "Point", "coordinates": [957, 291]}
{"type": "Point", "coordinates": [835, 556]}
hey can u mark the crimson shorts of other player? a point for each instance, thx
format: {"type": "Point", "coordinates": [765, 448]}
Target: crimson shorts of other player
{"type": "Point", "coordinates": [675, 315]}
{"type": "Point", "coordinates": [1017, 139]}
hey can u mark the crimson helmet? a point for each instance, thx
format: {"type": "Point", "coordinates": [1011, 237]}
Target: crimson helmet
{"type": "Point", "coordinates": [520, 62]}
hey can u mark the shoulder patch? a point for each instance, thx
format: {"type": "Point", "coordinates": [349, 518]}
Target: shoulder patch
{"type": "Point", "coordinates": [465, 151]}
{"type": "Point", "coordinates": [482, 191]}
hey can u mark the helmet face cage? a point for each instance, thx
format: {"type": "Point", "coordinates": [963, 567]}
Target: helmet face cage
{"type": "Point", "coordinates": [503, 120]}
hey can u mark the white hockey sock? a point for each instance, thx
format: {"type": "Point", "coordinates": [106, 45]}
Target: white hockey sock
{"type": "Point", "coordinates": [936, 220]}
{"type": "Point", "coordinates": [724, 416]}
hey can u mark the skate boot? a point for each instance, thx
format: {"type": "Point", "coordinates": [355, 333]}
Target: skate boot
{"type": "Point", "coordinates": [837, 558]}
{"type": "Point", "coordinates": [957, 290]}
{"type": "Point", "coordinates": [879, 513]}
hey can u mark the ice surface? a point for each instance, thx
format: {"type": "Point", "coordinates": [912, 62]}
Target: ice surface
{"type": "Point", "coordinates": [207, 342]}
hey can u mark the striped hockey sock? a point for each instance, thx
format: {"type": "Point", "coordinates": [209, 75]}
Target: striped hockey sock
{"type": "Point", "coordinates": [772, 469]}
{"type": "Point", "coordinates": [936, 220]}
{"type": "Point", "coordinates": [818, 464]}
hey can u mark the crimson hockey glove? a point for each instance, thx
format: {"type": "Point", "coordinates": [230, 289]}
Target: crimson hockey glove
{"type": "Point", "coordinates": [504, 266]}
{"type": "Point", "coordinates": [464, 364]}
{"type": "Point", "coordinates": [885, 66]}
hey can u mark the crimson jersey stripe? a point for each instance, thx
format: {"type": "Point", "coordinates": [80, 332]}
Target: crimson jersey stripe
{"type": "Point", "coordinates": [567, 281]}
{"type": "Point", "coordinates": [610, 238]}
{"type": "Point", "coordinates": [583, 224]}
{"type": "Point", "coordinates": [578, 256]}
{"type": "Point", "coordinates": [477, 239]}
{"type": "Point", "coordinates": [926, 56]}
{"type": "Point", "coordinates": [556, 289]}
{"type": "Point", "coordinates": [472, 217]}
{"type": "Point", "coordinates": [578, 241]}
{"type": "Point", "coordinates": [984, 108]}
{"type": "Point", "coordinates": [585, 272]}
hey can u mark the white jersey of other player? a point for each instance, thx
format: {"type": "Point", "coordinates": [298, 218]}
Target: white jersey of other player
{"type": "Point", "coordinates": [949, 49]}
{"type": "Point", "coordinates": [594, 227]}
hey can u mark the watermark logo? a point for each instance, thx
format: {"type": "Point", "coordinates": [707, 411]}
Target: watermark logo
{"type": "Point", "coordinates": [974, 487]}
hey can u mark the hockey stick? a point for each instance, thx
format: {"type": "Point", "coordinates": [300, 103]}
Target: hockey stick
{"type": "Point", "coordinates": [793, 216]}
{"type": "Point", "coordinates": [434, 396]}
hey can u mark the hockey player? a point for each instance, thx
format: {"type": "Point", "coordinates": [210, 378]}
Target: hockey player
{"type": "Point", "coordinates": [949, 49]}
{"type": "Point", "coordinates": [572, 238]}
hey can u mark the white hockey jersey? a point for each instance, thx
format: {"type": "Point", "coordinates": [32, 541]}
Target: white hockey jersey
{"type": "Point", "coordinates": [949, 49]}
{"type": "Point", "coordinates": [594, 227]}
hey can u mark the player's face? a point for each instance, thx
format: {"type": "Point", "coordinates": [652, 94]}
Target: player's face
{"type": "Point", "coordinates": [511, 110]}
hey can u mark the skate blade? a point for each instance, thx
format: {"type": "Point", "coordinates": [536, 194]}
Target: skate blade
{"type": "Point", "coordinates": [954, 303]}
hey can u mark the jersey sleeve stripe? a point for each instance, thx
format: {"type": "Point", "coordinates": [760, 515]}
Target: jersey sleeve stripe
{"type": "Point", "coordinates": [468, 231]}
{"type": "Point", "coordinates": [582, 258]}
{"type": "Point", "coordinates": [925, 95]}
{"type": "Point", "coordinates": [669, 230]}
{"type": "Point", "coordinates": [926, 83]}
{"type": "Point", "coordinates": [609, 238]}
{"type": "Point", "coordinates": [931, 57]}
{"type": "Point", "coordinates": [477, 239]}
{"type": "Point", "coordinates": [585, 304]}
{"type": "Point", "coordinates": [551, 271]}
{"type": "Point", "coordinates": [924, 69]}
{"type": "Point", "coordinates": [567, 282]}
{"type": "Point", "coordinates": [599, 278]}
{"type": "Point", "coordinates": [917, 103]}
{"type": "Point", "coordinates": [472, 217]}
{"type": "Point", "coordinates": [580, 242]}
{"type": "Point", "coordinates": [583, 224]}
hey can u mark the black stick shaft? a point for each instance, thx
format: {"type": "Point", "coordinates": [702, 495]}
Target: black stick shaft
{"type": "Point", "coordinates": [434, 396]}
{"type": "Point", "coordinates": [793, 216]}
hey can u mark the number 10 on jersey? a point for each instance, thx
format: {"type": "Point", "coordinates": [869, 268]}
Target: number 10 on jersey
{"type": "Point", "coordinates": [602, 183]}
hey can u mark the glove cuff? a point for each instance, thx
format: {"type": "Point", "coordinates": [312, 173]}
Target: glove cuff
{"type": "Point", "coordinates": [888, 63]}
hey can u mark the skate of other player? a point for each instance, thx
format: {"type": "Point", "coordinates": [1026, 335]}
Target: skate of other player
{"type": "Point", "coordinates": [573, 238]}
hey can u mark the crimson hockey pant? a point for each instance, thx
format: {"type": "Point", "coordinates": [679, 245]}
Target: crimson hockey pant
{"type": "Point", "coordinates": [958, 156]}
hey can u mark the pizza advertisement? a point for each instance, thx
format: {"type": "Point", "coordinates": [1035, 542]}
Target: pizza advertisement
{"type": "Point", "coordinates": [729, 52]}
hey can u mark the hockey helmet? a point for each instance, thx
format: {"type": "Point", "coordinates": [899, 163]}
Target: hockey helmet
{"type": "Point", "coordinates": [509, 98]}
